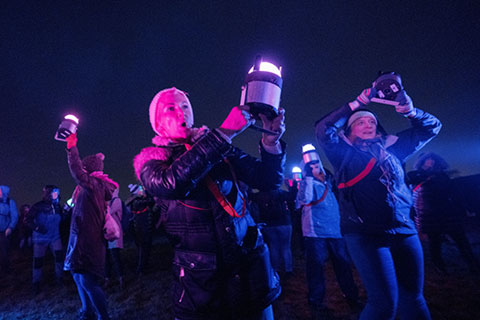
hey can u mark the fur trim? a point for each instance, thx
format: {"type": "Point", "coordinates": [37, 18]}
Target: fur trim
{"type": "Point", "coordinates": [163, 154]}
{"type": "Point", "coordinates": [147, 154]}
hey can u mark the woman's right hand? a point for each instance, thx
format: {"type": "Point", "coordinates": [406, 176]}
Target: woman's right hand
{"type": "Point", "coordinates": [237, 121]}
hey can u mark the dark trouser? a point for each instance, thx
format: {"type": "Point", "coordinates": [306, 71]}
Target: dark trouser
{"type": "Point", "coordinates": [39, 250]}
{"type": "Point", "coordinates": [91, 294]}
{"type": "Point", "coordinates": [317, 251]}
{"type": "Point", "coordinates": [391, 268]}
{"type": "Point", "coordinates": [4, 259]}
{"type": "Point", "coordinates": [278, 239]}
{"type": "Point", "coordinates": [462, 243]}
{"type": "Point", "coordinates": [143, 239]}
{"type": "Point", "coordinates": [113, 261]}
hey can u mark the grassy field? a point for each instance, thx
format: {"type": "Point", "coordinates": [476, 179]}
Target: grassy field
{"type": "Point", "coordinates": [456, 296]}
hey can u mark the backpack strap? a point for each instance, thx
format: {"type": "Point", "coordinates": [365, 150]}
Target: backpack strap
{"type": "Point", "coordinates": [324, 195]}
{"type": "Point", "coordinates": [360, 176]}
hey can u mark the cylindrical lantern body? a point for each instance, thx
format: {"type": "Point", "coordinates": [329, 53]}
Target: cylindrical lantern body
{"type": "Point", "coordinates": [65, 129]}
{"type": "Point", "coordinates": [261, 91]}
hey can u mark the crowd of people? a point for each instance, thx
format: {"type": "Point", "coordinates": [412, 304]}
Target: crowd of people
{"type": "Point", "coordinates": [229, 217]}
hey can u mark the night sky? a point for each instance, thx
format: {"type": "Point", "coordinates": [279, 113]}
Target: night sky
{"type": "Point", "coordinates": [105, 62]}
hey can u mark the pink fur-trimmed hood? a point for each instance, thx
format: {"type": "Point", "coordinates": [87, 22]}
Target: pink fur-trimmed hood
{"type": "Point", "coordinates": [147, 154]}
{"type": "Point", "coordinates": [163, 154]}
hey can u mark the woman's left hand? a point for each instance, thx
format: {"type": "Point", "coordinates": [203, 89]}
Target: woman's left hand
{"type": "Point", "coordinates": [277, 125]}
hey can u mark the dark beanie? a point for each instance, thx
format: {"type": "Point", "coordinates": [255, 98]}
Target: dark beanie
{"type": "Point", "coordinates": [93, 162]}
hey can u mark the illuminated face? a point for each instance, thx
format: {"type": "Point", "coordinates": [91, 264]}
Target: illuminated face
{"type": "Point", "coordinates": [174, 116]}
{"type": "Point", "coordinates": [317, 171]}
{"type": "Point", "coordinates": [54, 194]}
{"type": "Point", "coordinates": [363, 128]}
{"type": "Point", "coordinates": [428, 164]}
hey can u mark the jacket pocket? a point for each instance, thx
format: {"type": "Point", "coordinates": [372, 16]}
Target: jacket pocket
{"type": "Point", "coordinates": [196, 281]}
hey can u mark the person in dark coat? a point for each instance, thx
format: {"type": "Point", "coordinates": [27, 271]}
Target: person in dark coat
{"type": "Point", "coordinates": [375, 201]}
{"type": "Point", "coordinates": [44, 219]}
{"type": "Point", "coordinates": [221, 265]}
{"type": "Point", "coordinates": [8, 222]}
{"type": "Point", "coordinates": [85, 257]}
{"type": "Point", "coordinates": [437, 212]}
{"type": "Point", "coordinates": [274, 214]}
{"type": "Point", "coordinates": [24, 231]}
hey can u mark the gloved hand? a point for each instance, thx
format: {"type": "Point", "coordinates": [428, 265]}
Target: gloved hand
{"type": "Point", "coordinates": [364, 98]}
{"type": "Point", "coordinates": [237, 120]}
{"type": "Point", "coordinates": [8, 232]}
{"type": "Point", "coordinates": [41, 229]}
{"type": "Point", "coordinates": [276, 125]}
{"type": "Point", "coordinates": [405, 106]}
{"type": "Point", "coordinates": [71, 140]}
{"type": "Point", "coordinates": [308, 171]}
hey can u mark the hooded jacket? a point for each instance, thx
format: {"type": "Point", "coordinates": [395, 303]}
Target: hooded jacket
{"type": "Point", "coordinates": [207, 241]}
{"type": "Point", "coordinates": [44, 219]}
{"type": "Point", "coordinates": [86, 245]}
{"type": "Point", "coordinates": [319, 220]}
{"type": "Point", "coordinates": [8, 210]}
{"type": "Point", "coordinates": [380, 202]}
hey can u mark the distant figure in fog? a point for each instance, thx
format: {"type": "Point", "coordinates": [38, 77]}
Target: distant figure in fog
{"type": "Point", "coordinates": [277, 230]}
{"type": "Point", "coordinates": [44, 219]}
{"type": "Point", "coordinates": [114, 248]}
{"type": "Point", "coordinates": [8, 222]}
{"type": "Point", "coordinates": [438, 212]}
{"type": "Point", "coordinates": [85, 257]}
{"type": "Point", "coordinates": [323, 240]}
{"type": "Point", "coordinates": [142, 207]}
{"type": "Point", "coordinates": [24, 231]}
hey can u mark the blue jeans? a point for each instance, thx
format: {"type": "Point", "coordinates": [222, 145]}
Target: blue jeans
{"type": "Point", "coordinates": [391, 268]}
{"type": "Point", "coordinates": [279, 239]}
{"type": "Point", "coordinates": [317, 251]}
{"type": "Point", "coordinates": [91, 294]}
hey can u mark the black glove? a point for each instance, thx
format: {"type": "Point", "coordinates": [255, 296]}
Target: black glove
{"type": "Point", "coordinates": [308, 171]}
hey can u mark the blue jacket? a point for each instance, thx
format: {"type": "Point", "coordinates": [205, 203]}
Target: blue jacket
{"type": "Point", "coordinates": [381, 201]}
{"type": "Point", "coordinates": [44, 219]}
{"type": "Point", "coordinates": [8, 210]}
{"type": "Point", "coordinates": [320, 220]}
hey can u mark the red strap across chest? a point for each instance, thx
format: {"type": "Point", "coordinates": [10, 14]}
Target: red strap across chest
{"type": "Point", "coordinates": [360, 176]}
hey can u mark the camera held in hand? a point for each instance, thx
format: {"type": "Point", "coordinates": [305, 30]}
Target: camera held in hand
{"type": "Point", "coordinates": [388, 85]}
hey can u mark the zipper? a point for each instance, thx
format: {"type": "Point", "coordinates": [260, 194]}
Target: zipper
{"type": "Point", "coordinates": [182, 274]}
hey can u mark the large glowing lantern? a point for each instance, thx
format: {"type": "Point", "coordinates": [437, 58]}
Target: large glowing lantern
{"type": "Point", "coordinates": [67, 127]}
{"type": "Point", "coordinates": [310, 154]}
{"type": "Point", "coordinates": [262, 89]}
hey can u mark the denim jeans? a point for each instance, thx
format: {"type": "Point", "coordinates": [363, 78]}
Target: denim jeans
{"type": "Point", "coordinates": [391, 268]}
{"type": "Point", "coordinates": [317, 251]}
{"type": "Point", "coordinates": [279, 239]}
{"type": "Point", "coordinates": [91, 294]}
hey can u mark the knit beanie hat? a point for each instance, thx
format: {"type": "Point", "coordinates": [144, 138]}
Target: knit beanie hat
{"type": "Point", "coordinates": [357, 114]}
{"type": "Point", "coordinates": [93, 162]}
{"type": "Point", "coordinates": [155, 102]}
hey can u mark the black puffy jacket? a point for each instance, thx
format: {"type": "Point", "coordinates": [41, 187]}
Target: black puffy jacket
{"type": "Point", "coordinates": [207, 241]}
